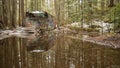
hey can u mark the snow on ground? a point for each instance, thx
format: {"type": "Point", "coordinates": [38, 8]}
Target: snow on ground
{"type": "Point", "coordinates": [19, 32]}
{"type": "Point", "coordinates": [36, 12]}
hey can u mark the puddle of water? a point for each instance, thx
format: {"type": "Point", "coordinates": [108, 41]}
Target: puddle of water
{"type": "Point", "coordinates": [54, 51]}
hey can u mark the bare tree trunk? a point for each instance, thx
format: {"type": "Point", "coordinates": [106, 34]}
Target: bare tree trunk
{"type": "Point", "coordinates": [111, 3]}
{"type": "Point", "coordinates": [21, 12]}
{"type": "Point", "coordinates": [57, 11]}
{"type": "Point", "coordinates": [4, 8]}
{"type": "Point", "coordinates": [14, 13]}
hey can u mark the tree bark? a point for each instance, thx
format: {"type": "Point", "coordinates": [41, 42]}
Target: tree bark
{"type": "Point", "coordinates": [111, 3]}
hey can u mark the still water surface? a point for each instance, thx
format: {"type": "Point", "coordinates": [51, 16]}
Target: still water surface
{"type": "Point", "coordinates": [55, 51]}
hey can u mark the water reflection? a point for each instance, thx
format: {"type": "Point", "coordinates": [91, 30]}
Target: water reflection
{"type": "Point", "coordinates": [51, 51]}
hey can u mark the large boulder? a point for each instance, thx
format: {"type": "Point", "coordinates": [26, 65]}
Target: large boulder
{"type": "Point", "coordinates": [39, 19]}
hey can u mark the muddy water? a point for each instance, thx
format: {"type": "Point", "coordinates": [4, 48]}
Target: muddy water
{"type": "Point", "coordinates": [55, 51]}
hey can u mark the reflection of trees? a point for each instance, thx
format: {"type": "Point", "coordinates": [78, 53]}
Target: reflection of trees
{"type": "Point", "coordinates": [77, 54]}
{"type": "Point", "coordinates": [87, 55]}
{"type": "Point", "coordinates": [44, 42]}
{"type": "Point", "coordinates": [12, 53]}
{"type": "Point", "coordinates": [65, 53]}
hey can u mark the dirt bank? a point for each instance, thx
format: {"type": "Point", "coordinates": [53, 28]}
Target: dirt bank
{"type": "Point", "coordinates": [112, 40]}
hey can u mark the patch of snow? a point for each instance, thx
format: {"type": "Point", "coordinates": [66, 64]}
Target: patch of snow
{"type": "Point", "coordinates": [7, 31]}
{"type": "Point", "coordinates": [85, 25]}
{"type": "Point", "coordinates": [37, 51]}
{"type": "Point", "coordinates": [72, 65]}
{"type": "Point", "coordinates": [37, 12]}
{"type": "Point", "coordinates": [22, 32]}
{"type": "Point", "coordinates": [75, 24]}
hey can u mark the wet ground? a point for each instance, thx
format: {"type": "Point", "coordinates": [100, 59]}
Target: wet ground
{"type": "Point", "coordinates": [55, 51]}
{"type": "Point", "coordinates": [111, 40]}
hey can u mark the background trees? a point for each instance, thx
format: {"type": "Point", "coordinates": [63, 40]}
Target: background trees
{"type": "Point", "coordinates": [12, 12]}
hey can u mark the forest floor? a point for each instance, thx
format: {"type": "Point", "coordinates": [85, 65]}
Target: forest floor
{"type": "Point", "coordinates": [112, 40]}
{"type": "Point", "coordinates": [19, 32]}
{"type": "Point", "coordinates": [24, 32]}
{"type": "Point", "coordinates": [107, 39]}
